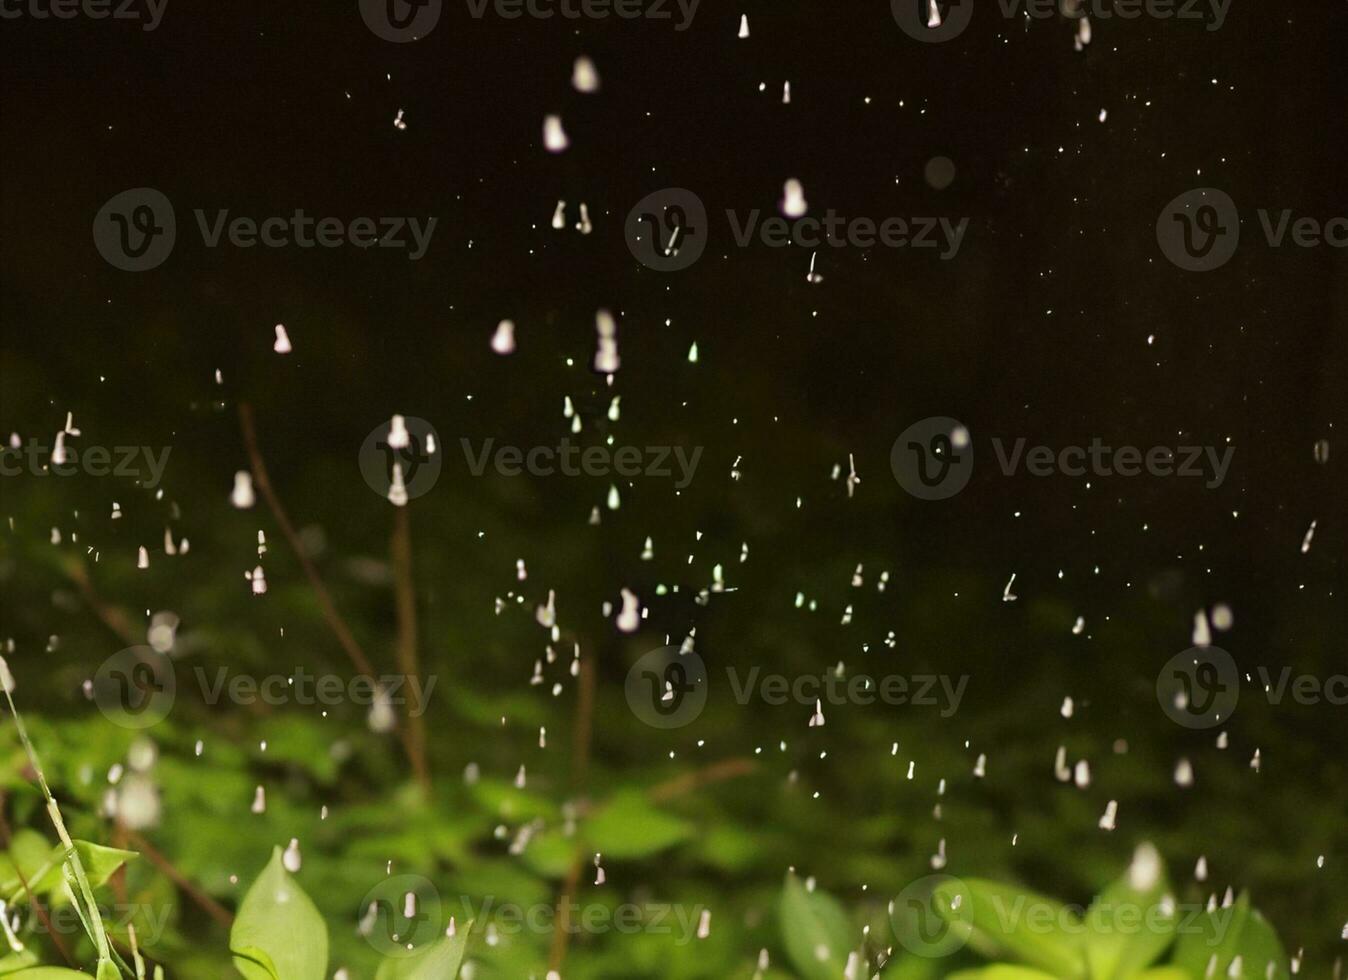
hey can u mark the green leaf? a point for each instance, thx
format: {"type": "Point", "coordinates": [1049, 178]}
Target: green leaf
{"type": "Point", "coordinates": [1132, 922]}
{"type": "Point", "coordinates": [278, 934]}
{"type": "Point", "coordinates": [1002, 971]}
{"type": "Point", "coordinates": [1028, 926]}
{"type": "Point", "coordinates": [14, 962]}
{"type": "Point", "coordinates": [439, 960]}
{"type": "Point", "coordinates": [1221, 935]}
{"type": "Point", "coordinates": [45, 877]}
{"type": "Point", "coordinates": [48, 973]}
{"type": "Point", "coordinates": [1164, 973]}
{"type": "Point", "coordinates": [629, 826]}
{"type": "Point", "coordinates": [815, 931]}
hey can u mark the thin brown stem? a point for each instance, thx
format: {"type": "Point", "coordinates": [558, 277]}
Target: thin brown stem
{"type": "Point", "coordinates": [406, 649]}
{"type": "Point", "coordinates": [580, 762]}
{"type": "Point", "coordinates": [263, 482]}
{"type": "Point", "coordinates": [715, 773]}
{"type": "Point", "coordinates": [345, 637]}
{"type": "Point", "coordinates": [212, 908]}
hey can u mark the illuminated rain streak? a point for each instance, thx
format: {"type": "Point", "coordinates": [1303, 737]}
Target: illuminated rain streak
{"type": "Point", "coordinates": [398, 122]}
{"type": "Point", "coordinates": [258, 580]}
{"type": "Point", "coordinates": [692, 353]}
{"type": "Point", "coordinates": [1202, 635]}
{"type": "Point", "coordinates": [503, 340]}
{"type": "Point", "coordinates": [786, 93]}
{"type": "Point", "coordinates": [606, 360]}
{"type": "Point", "coordinates": [1110, 818]}
{"type": "Point", "coordinates": [559, 216]}
{"type": "Point", "coordinates": [813, 277]}
{"type": "Point", "coordinates": [381, 718]}
{"type": "Point", "coordinates": [1184, 773]}
{"type": "Point", "coordinates": [242, 496]}
{"type": "Point", "coordinates": [1310, 535]}
{"type": "Point", "coordinates": [1083, 37]}
{"type": "Point", "coordinates": [291, 858]}
{"type": "Point", "coordinates": [554, 136]}
{"type": "Point", "coordinates": [397, 490]}
{"type": "Point", "coordinates": [1007, 594]}
{"type": "Point", "coordinates": [704, 924]}
{"type": "Point", "coordinates": [583, 225]}
{"type": "Point", "coordinates": [629, 618]}
{"type": "Point", "coordinates": [584, 76]}
{"type": "Point", "coordinates": [744, 26]}
{"type": "Point", "coordinates": [793, 204]}
{"type": "Point", "coordinates": [282, 343]}
{"type": "Point", "coordinates": [398, 437]}
{"type": "Point", "coordinates": [1321, 451]}
{"type": "Point", "coordinates": [142, 558]}
{"type": "Point", "coordinates": [614, 501]}
{"type": "Point", "coordinates": [259, 800]}
{"type": "Point", "coordinates": [933, 14]}
{"type": "Point", "coordinates": [817, 719]}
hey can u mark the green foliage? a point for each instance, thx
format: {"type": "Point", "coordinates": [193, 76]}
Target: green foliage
{"type": "Point", "coordinates": [1123, 934]}
{"type": "Point", "coordinates": [815, 931]}
{"type": "Point", "coordinates": [278, 933]}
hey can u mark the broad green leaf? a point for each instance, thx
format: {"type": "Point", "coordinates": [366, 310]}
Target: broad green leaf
{"type": "Point", "coordinates": [911, 968]}
{"type": "Point", "coordinates": [815, 931]}
{"type": "Point", "coordinates": [1030, 927]}
{"type": "Point", "coordinates": [1221, 935]}
{"type": "Point", "coordinates": [99, 862]}
{"type": "Point", "coordinates": [277, 919]}
{"type": "Point", "coordinates": [1164, 973]}
{"type": "Point", "coordinates": [107, 971]}
{"type": "Point", "coordinates": [48, 973]}
{"type": "Point", "coordinates": [29, 853]}
{"type": "Point", "coordinates": [439, 960]}
{"type": "Point", "coordinates": [630, 826]}
{"type": "Point", "coordinates": [14, 962]}
{"type": "Point", "coordinates": [1132, 922]}
{"type": "Point", "coordinates": [1002, 971]}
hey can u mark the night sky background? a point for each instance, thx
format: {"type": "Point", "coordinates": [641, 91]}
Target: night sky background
{"type": "Point", "coordinates": [1038, 328]}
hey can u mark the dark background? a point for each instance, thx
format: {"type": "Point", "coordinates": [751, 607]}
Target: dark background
{"type": "Point", "coordinates": [1038, 328]}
